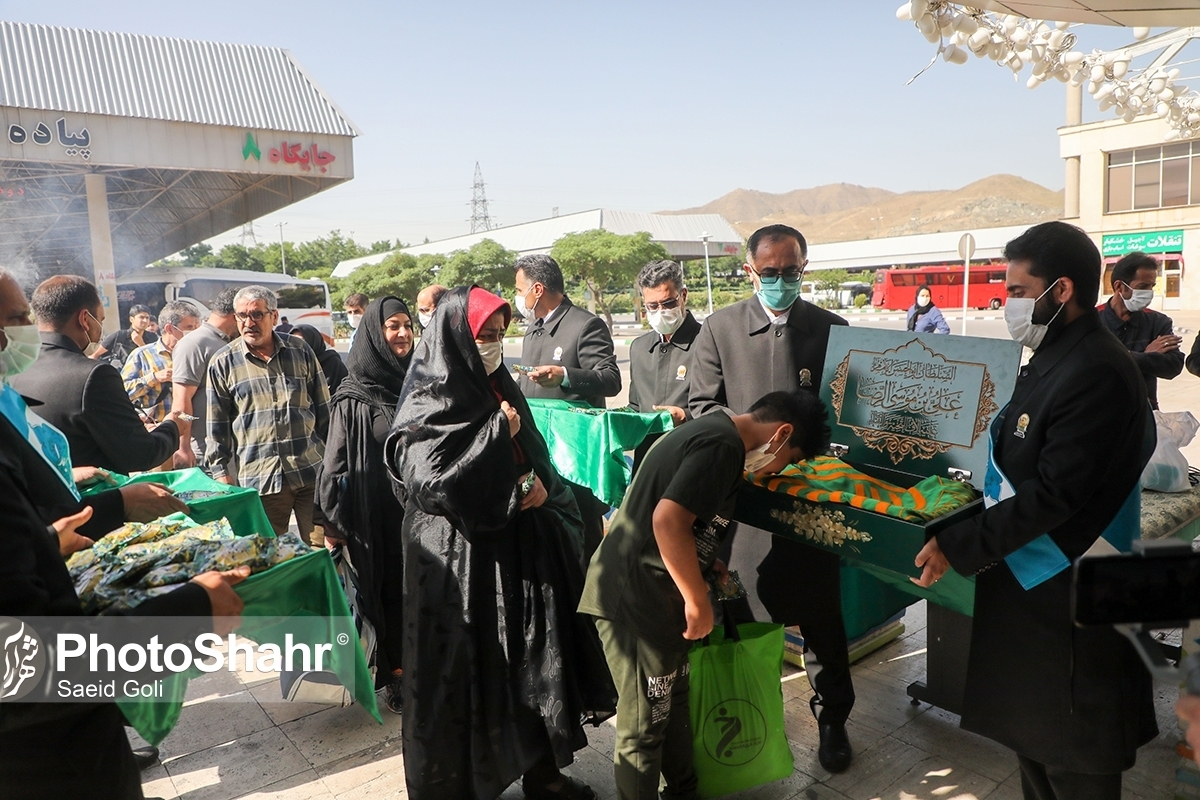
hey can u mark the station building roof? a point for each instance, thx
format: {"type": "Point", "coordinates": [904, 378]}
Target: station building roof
{"type": "Point", "coordinates": [193, 138]}
{"type": "Point", "coordinates": [680, 234]}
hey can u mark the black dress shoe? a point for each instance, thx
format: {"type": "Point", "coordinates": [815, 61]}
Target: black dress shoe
{"type": "Point", "coordinates": [834, 752]}
{"type": "Point", "coordinates": [146, 757]}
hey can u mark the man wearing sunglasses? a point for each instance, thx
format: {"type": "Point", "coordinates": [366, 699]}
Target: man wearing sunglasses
{"type": "Point", "coordinates": [660, 360]}
{"type": "Point", "coordinates": [772, 342]}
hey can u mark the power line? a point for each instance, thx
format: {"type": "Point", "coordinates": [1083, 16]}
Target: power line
{"type": "Point", "coordinates": [480, 221]}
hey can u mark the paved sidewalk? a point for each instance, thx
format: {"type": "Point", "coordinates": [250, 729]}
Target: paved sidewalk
{"type": "Point", "coordinates": [235, 739]}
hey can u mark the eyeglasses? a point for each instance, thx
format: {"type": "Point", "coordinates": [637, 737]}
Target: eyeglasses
{"type": "Point", "coordinates": [669, 303]}
{"type": "Point", "coordinates": [257, 316]}
{"type": "Point", "coordinates": [770, 275]}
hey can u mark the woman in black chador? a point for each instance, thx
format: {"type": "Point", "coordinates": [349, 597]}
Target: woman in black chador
{"type": "Point", "coordinates": [354, 493]}
{"type": "Point", "coordinates": [500, 672]}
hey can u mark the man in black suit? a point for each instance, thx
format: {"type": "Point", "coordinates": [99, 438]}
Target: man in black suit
{"type": "Point", "coordinates": [572, 351]}
{"type": "Point", "coordinates": [774, 341]}
{"type": "Point", "coordinates": [84, 398]}
{"type": "Point", "coordinates": [1074, 703]}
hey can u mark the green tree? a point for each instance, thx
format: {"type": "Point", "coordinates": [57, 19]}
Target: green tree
{"type": "Point", "coordinates": [485, 263]}
{"type": "Point", "coordinates": [195, 255]}
{"type": "Point", "coordinates": [606, 262]}
{"type": "Point", "coordinates": [400, 274]}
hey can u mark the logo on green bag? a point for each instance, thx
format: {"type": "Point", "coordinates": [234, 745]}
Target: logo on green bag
{"type": "Point", "coordinates": [734, 732]}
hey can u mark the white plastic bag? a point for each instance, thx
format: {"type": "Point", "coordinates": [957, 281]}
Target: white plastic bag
{"type": "Point", "coordinates": [1167, 470]}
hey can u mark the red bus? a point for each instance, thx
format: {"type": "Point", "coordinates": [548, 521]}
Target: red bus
{"type": "Point", "coordinates": [896, 289]}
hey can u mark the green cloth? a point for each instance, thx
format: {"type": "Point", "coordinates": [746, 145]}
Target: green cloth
{"type": "Point", "coordinates": [302, 596]}
{"type": "Point", "coordinates": [232, 502]}
{"type": "Point", "coordinates": [587, 445]}
{"type": "Point", "coordinates": [825, 479]}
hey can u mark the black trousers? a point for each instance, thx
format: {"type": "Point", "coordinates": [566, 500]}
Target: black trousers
{"type": "Point", "coordinates": [1042, 782]}
{"type": "Point", "coordinates": [802, 585]}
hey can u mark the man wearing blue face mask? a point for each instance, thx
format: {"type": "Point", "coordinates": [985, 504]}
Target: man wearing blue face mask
{"type": "Point", "coordinates": [774, 341]}
{"type": "Point", "coordinates": [1148, 334]}
{"type": "Point", "coordinates": [1067, 454]}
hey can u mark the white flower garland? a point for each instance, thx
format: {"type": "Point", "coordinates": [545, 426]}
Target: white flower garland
{"type": "Point", "coordinates": [1047, 47]}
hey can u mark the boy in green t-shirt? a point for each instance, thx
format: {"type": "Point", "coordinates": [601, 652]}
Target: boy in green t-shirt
{"type": "Point", "coordinates": [647, 587]}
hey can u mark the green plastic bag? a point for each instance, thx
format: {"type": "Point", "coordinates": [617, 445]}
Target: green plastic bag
{"type": "Point", "coordinates": [737, 710]}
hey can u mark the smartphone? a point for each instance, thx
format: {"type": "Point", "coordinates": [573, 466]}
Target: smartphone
{"type": "Point", "coordinates": [1154, 588]}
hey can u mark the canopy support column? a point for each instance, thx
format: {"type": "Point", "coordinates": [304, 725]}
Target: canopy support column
{"type": "Point", "coordinates": [102, 253]}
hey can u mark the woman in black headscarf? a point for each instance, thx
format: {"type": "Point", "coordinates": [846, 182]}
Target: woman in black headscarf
{"type": "Point", "coordinates": [499, 669]}
{"type": "Point", "coordinates": [353, 491]}
{"type": "Point", "coordinates": [330, 360]}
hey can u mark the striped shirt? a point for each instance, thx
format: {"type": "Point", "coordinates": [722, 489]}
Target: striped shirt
{"type": "Point", "coordinates": [146, 391]}
{"type": "Point", "coordinates": [272, 416]}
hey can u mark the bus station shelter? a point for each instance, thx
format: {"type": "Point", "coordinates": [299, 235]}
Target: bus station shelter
{"type": "Point", "coordinates": [117, 150]}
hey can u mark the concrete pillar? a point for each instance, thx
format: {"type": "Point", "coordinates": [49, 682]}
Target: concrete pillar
{"type": "Point", "coordinates": [1071, 186]}
{"type": "Point", "coordinates": [102, 253]}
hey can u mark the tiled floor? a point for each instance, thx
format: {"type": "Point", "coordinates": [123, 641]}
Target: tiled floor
{"type": "Point", "coordinates": [235, 739]}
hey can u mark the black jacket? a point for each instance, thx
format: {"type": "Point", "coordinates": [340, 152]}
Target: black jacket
{"type": "Point", "coordinates": [60, 749]}
{"type": "Point", "coordinates": [1142, 328]}
{"type": "Point", "coordinates": [580, 342]}
{"type": "Point", "coordinates": [660, 372]}
{"type": "Point", "coordinates": [1071, 443]}
{"type": "Point", "coordinates": [86, 400]}
{"type": "Point", "coordinates": [50, 496]}
{"type": "Point", "coordinates": [740, 356]}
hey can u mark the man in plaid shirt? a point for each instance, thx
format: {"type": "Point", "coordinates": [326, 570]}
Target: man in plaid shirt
{"type": "Point", "coordinates": [147, 371]}
{"type": "Point", "coordinates": [268, 408]}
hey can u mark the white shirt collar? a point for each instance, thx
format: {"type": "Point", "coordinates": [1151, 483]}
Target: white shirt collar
{"type": "Point", "coordinates": [546, 319]}
{"type": "Point", "coordinates": [774, 320]}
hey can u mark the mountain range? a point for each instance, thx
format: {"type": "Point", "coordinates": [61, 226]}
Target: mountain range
{"type": "Point", "coordinates": [840, 212]}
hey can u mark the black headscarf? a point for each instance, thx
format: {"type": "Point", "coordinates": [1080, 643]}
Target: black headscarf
{"type": "Point", "coordinates": [331, 362]}
{"type": "Point", "coordinates": [377, 373]}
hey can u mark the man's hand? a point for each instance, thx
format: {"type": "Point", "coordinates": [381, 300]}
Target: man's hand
{"type": "Point", "coordinates": [514, 419]}
{"type": "Point", "coordinates": [699, 616]}
{"type": "Point", "coordinates": [225, 479]}
{"type": "Point", "coordinates": [68, 540]}
{"type": "Point", "coordinates": [1164, 344]}
{"type": "Point", "coordinates": [183, 458]}
{"type": "Point", "coordinates": [678, 415]}
{"type": "Point", "coordinates": [226, 605]}
{"type": "Point", "coordinates": [721, 570]}
{"type": "Point", "coordinates": [537, 495]}
{"type": "Point", "coordinates": [1188, 709]}
{"type": "Point", "coordinates": [548, 376]}
{"type": "Point", "coordinates": [333, 541]}
{"type": "Point", "coordinates": [163, 375]}
{"type": "Point", "coordinates": [86, 476]}
{"type": "Point", "coordinates": [933, 564]}
{"type": "Point", "coordinates": [146, 502]}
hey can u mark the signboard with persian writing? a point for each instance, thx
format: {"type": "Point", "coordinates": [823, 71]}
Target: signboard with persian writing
{"type": "Point", "coordinates": [917, 403]}
{"type": "Point", "coordinates": [1118, 244]}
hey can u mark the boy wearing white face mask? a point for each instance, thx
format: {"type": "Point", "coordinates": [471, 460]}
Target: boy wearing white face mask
{"type": "Point", "coordinates": [660, 361]}
{"type": "Point", "coordinates": [1148, 334]}
{"type": "Point", "coordinates": [648, 583]}
{"type": "Point", "coordinates": [355, 304]}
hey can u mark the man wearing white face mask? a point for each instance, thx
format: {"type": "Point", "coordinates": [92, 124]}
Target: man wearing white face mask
{"type": "Point", "coordinates": [85, 398]}
{"type": "Point", "coordinates": [355, 304]}
{"type": "Point", "coordinates": [1067, 454]}
{"type": "Point", "coordinates": [660, 361]}
{"type": "Point", "coordinates": [1148, 334]}
{"type": "Point", "coordinates": [427, 301]}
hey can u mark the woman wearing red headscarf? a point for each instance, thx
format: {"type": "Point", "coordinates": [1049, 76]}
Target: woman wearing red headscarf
{"type": "Point", "coordinates": [499, 670]}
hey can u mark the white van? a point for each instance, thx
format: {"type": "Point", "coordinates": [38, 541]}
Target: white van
{"type": "Point", "coordinates": [304, 301]}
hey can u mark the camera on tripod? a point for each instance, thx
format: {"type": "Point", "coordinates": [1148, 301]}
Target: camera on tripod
{"type": "Point", "coordinates": [1156, 587]}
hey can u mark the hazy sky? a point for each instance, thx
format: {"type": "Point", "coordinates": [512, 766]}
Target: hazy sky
{"type": "Point", "coordinates": [645, 105]}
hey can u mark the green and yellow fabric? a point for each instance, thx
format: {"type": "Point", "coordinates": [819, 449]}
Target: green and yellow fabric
{"type": "Point", "coordinates": [207, 500]}
{"type": "Point", "coordinates": [830, 480]}
{"type": "Point", "coordinates": [587, 444]}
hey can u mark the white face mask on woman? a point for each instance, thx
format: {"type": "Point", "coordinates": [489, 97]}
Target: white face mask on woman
{"type": "Point", "coordinates": [492, 355]}
{"type": "Point", "coordinates": [1018, 316]}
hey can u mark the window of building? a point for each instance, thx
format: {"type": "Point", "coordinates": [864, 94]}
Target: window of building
{"type": "Point", "coordinates": [1154, 177]}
